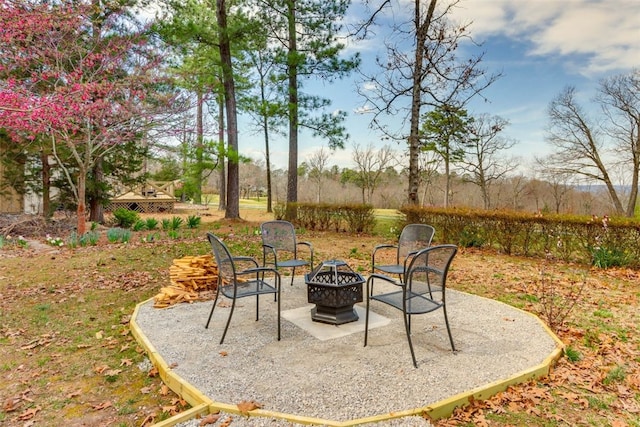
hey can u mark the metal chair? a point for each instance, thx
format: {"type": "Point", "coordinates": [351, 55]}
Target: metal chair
{"type": "Point", "coordinates": [412, 238]}
{"type": "Point", "coordinates": [234, 287]}
{"type": "Point", "coordinates": [421, 291]}
{"type": "Point", "coordinates": [280, 246]}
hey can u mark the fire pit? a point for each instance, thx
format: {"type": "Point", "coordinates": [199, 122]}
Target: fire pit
{"type": "Point", "coordinates": [334, 288]}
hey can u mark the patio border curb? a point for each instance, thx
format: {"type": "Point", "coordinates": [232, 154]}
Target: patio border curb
{"type": "Point", "coordinates": [202, 405]}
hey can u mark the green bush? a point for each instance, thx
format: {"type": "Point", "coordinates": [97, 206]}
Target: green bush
{"type": "Point", "coordinates": [603, 242]}
{"type": "Point", "coordinates": [139, 225]}
{"type": "Point", "coordinates": [193, 221]}
{"type": "Point", "coordinates": [151, 223]}
{"type": "Point", "coordinates": [176, 223]}
{"type": "Point", "coordinates": [125, 218]}
{"type": "Point", "coordinates": [604, 257]}
{"type": "Point", "coordinates": [89, 238]}
{"type": "Point", "coordinates": [117, 234]}
{"type": "Point", "coordinates": [471, 237]}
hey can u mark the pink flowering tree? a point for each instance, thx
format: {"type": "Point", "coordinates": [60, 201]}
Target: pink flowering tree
{"type": "Point", "coordinates": [82, 76]}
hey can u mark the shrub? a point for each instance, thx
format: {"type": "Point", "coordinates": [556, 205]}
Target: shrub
{"type": "Point", "coordinates": [471, 237]}
{"type": "Point", "coordinates": [193, 221]}
{"type": "Point", "coordinates": [151, 223]}
{"type": "Point", "coordinates": [117, 234]}
{"type": "Point", "coordinates": [125, 218]}
{"type": "Point", "coordinates": [175, 223]}
{"type": "Point", "coordinates": [604, 257]}
{"type": "Point", "coordinates": [139, 225]}
{"type": "Point", "coordinates": [89, 238]}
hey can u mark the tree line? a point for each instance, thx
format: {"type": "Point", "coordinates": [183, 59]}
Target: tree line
{"type": "Point", "coordinates": [90, 91]}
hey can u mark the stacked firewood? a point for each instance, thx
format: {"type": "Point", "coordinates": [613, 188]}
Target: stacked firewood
{"type": "Point", "coordinates": [192, 278]}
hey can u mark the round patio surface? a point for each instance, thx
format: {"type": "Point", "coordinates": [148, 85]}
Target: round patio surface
{"type": "Point", "coordinates": [321, 374]}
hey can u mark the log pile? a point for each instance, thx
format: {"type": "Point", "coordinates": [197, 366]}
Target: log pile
{"type": "Point", "coordinates": [192, 278]}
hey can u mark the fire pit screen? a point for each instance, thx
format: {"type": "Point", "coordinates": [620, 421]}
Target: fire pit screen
{"type": "Point", "coordinates": [334, 288]}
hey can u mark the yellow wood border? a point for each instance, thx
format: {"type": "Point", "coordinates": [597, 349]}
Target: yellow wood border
{"type": "Point", "coordinates": [202, 405]}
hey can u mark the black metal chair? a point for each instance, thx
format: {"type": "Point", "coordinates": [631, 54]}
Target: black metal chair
{"type": "Point", "coordinates": [280, 246]}
{"type": "Point", "coordinates": [413, 238]}
{"type": "Point", "coordinates": [234, 287]}
{"type": "Point", "coordinates": [421, 291]}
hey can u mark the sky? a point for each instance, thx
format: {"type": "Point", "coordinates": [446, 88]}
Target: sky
{"type": "Point", "coordinates": [539, 46]}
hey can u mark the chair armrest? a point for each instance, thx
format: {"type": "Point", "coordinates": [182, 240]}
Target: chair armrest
{"type": "Point", "coordinates": [245, 259]}
{"type": "Point", "coordinates": [384, 277]}
{"type": "Point", "coordinates": [266, 249]}
{"type": "Point", "coordinates": [310, 247]}
{"type": "Point", "coordinates": [376, 249]}
{"type": "Point", "coordinates": [260, 271]}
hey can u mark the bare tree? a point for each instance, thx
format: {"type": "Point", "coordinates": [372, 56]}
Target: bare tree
{"type": "Point", "coordinates": [483, 160]}
{"type": "Point", "coordinates": [318, 169]}
{"type": "Point", "coordinates": [430, 163]}
{"type": "Point", "coordinates": [428, 74]}
{"type": "Point", "coordinates": [591, 149]}
{"type": "Point", "coordinates": [370, 166]}
{"type": "Point", "coordinates": [620, 101]}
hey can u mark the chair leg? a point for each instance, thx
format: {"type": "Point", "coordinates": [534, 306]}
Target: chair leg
{"type": "Point", "coordinates": [257, 307]}
{"type": "Point", "coordinates": [366, 318]}
{"type": "Point", "coordinates": [215, 301]}
{"type": "Point", "coordinates": [407, 328]}
{"type": "Point", "coordinates": [279, 299]}
{"type": "Point", "coordinates": [233, 305]}
{"type": "Point", "coordinates": [293, 274]}
{"type": "Point", "coordinates": [446, 321]}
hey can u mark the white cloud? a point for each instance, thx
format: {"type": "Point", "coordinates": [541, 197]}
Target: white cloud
{"type": "Point", "coordinates": [606, 32]}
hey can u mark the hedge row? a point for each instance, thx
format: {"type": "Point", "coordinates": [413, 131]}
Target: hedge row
{"type": "Point", "coordinates": [601, 241]}
{"type": "Point", "coordinates": [325, 217]}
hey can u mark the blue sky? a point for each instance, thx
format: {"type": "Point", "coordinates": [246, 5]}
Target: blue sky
{"type": "Point", "coordinates": [540, 46]}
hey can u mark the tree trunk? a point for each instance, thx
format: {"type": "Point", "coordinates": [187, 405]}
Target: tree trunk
{"type": "Point", "coordinates": [233, 176]}
{"type": "Point", "coordinates": [46, 185]}
{"type": "Point", "coordinates": [422, 30]}
{"type": "Point", "coordinates": [197, 197]}
{"type": "Point", "coordinates": [222, 200]}
{"type": "Point", "coordinates": [96, 210]}
{"type": "Point", "coordinates": [82, 209]}
{"type": "Point", "coordinates": [292, 70]}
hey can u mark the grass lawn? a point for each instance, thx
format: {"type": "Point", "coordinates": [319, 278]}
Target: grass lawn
{"type": "Point", "coordinates": [67, 356]}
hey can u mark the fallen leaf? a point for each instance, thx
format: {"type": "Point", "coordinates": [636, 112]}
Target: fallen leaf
{"type": "Point", "coordinates": [223, 353]}
{"type": "Point", "coordinates": [11, 404]}
{"type": "Point", "coordinates": [102, 406]}
{"type": "Point", "coordinates": [171, 410]}
{"type": "Point", "coordinates": [74, 394]}
{"type": "Point", "coordinates": [246, 407]}
{"type": "Point", "coordinates": [99, 335]}
{"type": "Point", "coordinates": [209, 419]}
{"type": "Point", "coordinates": [164, 390]}
{"type": "Point", "coordinates": [145, 390]}
{"type": "Point", "coordinates": [100, 369]}
{"type": "Point", "coordinates": [29, 413]}
{"type": "Point", "coordinates": [126, 362]}
{"type": "Point", "coordinates": [149, 420]}
{"type": "Point", "coordinates": [153, 372]}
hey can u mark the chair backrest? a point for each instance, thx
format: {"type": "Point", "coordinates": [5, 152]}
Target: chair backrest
{"type": "Point", "coordinates": [427, 271]}
{"type": "Point", "coordinates": [413, 238]}
{"type": "Point", "coordinates": [280, 235]}
{"type": "Point", "coordinates": [224, 261]}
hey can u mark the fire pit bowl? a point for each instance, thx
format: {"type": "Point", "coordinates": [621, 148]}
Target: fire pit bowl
{"type": "Point", "coordinates": [334, 288]}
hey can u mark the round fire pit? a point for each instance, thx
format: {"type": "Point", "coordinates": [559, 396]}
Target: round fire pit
{"type": "Point", "coordinates": [334, 288]}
